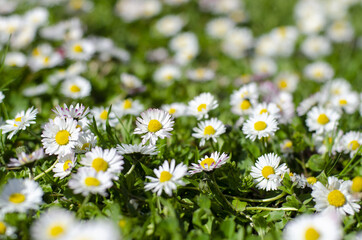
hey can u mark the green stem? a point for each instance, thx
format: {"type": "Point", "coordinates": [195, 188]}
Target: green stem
{"type": "Point", "coordinates": [86, 199]}
{"type": "Point", "coordinates": [130, 170]}
{"type": "Point", "coordinates": [46, 171]}
{"type": "Point", "coordinates": [271, 209]}
{"type": "Point", "coordinates": [220, 193]}
{"type": "Point", "coordinates": [350, 161]}
{"type": "Point", "coordinates": [259, 200]}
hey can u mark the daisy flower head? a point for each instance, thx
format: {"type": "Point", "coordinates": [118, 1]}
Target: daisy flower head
{"type": "Point", "coordinates": [60, 136]}
{"type": "Point", "coordinates": [168, 176]}
{"type": "Point", "coordinates": [268, 108]}
{"type": "Point", "coordinates": [319, 71]}
{"type": "Point", "coordinates": [208, 164]}
{"type": "Point", "coordinates": [77, 112]}
{"type": "Point", "coordinates": [209, 129]}
{"type": "Point", "coordinates": [21, 121]}
{"type": "Point", "coordinates": [325, 226]}
{"type": "Point", "coordinates": [316, 46]}
{"type": "Point", "coordinates": [6, 231]}
{"type": "Point", "coordinates": [65, 165]}
{"type": "Point", "coordinates": [201, 105]}
{"type": "Point", "coordinates": [55, 224]}
{"type": "Point", "coordinates": [219, 27]}
{"type": "Point", "coordinates": [264, 66]}
{"type": "Point", "coordinates": [267, 172]}
{"type": "Point", "coordinates": [169, 25]}
{"type": "Point", "coordinates": [24, 158]}
{"type": "Point", "coordinates": [247, 92]}
{"type": "Point", "coordinates": [340, 31]}
{"type": "Point", "coordinates": [137, 148]}
{"type": "Point", "coordinates": [335, 196]}
{"type": "Point", "coordinates": [167, 74]}
{"type": "Point", "coordinates": [82, 49]}
{"type": "Point", "coordinates": [101, 116]}
{"type": "Point", "coordinates": [15, 59]}
{"type": "Point", "coordinates": [237, 42]}
{"type": "Point", "coordinates": [128, 106]}
{"type": "Point", "coordinates": [201, 74]}
{"type": "Point", "coordinates": [154, 124]}
{"type": "Point", "coordinates": [351, 142]}
{"type": "Point", "coordinates": [106, 160]}
{"type": "Point", "coordinates": [175, 109]}
{"type": "Point", "coordinates": [94, 230]}
{"type": "Point", "coordinates": [286, 146]}
{"type": "Point", "coordinates": [322, 120]}
{"type": "Point", "coordinates": [348, 102]}
{"type": "Point", "coordinates": [87, 180]}
{"type": "Point", "coordinates": [286, 81]}
{"type": "Point", "coordinates": [76, 87]}
{"type": "Point", "coordinates": [87, 140]}
{"type": "Point", "coordinates": [20, 195]}
{"type": "Point", "coordinates": [131, 82]}
{"type": "Point", "coordinates": [260, 126]}
{"type": "Point", "coordinates": [284, 101]}
{"type": "Point", "coordinates": [356, 186]}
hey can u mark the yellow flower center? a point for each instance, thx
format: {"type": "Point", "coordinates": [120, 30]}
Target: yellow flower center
{"type": "Point", "coordinates": [318, 74]}
{"type": "Point", "coordinates": [311, 234]}
{"type": "Point", "coordinates": [267, 170]}
{"type": "Point", "coordinates": [2, 228]}
{"type": "Point", "coordinates": [74, 88]}
{"type": "Point", "coordinates": [354, 145]}
{"type": "Point", "coordinates": [209, 130]}
{"type": "Point", "coordinates": [357, 184]}
{"type": "Point", "coordinates": [201, 107]}
{"type": "Point", "coordinates": [171, 111]}
{"type": "Point", "coordinates": [36, 52]}
{"type": "Point", "coordinates": [323, 119]}
{"type": "Point", "coordinates": [46, 60]}
{"type": "Point", "coordinates": [99, 164]}
{"type": "Point", "coordinates": [18, 119]}
{"type": "Point", "coordinates": [122, 223]}
{"type": "Point", "coordinates": [154, 125]}
{"type": "Point", "coordinates": [77, 48]}
{"type": "Point", "coordinates": [56, 230]}
{"type": "Point", "coordinates": [85, 146]}
{"type": "Point", "coordinates": [62, 137]}
{"type": "Point", "coordinates": [17, 198]}
{"type": "Point", "coordinates": [282, 84]}
{"type": "Point", "coordinates": [263, 111]}
{"type": "Point", "coordinates": [245, 104]}
{"type": "Point", "coordinates": [336, 198]}
{"type": "Point", "coordinates": [200, 73]}
{"type": "Point", "coordinates": [288, 144]}
{"type": "Point", "coordinates": [208, 162]}
{"type": "Point", "coordinates": [168, 77]}
{"type": "Point", "coordinates": [165, 176]}
{"type": "Point", "coordinates": [127, 104]}
{"type": "Point", "coordinates": [342, 102]}
{"type": "Point", "coordinates": [92, 182]}
{"type": "Point", "coordinates": [76, 4]}
{"type": "Point", "coordinates": [104, 115]}
{"type": "Point", "coordinates": [260, 125]}
{"type": "Point", "coordinates": [67, 165]}
{"type": "Point", "coordinates": [311, 180]}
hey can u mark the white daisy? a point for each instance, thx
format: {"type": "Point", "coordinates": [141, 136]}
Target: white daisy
{"type": "Point", "coordinates": [82, 49]}
{"type": "Point", "coordinates": [106, 160]}
{"type": "Point", "coordinates": [20, 195]}
{"type": "Point", "coordinates": [286, 81]}
{"type": "Point", "coordinates": [167, 177]}
{"type": "Point", "coordinates": [260, 126]}
{"type": "Point", "coordinates": [37, 90]}
{"type": "Point", "coordinates": [237, 42]}
{"type": "Point", "coordinates": [340, 31]}
{"type": "Point", "coordinates": [319, 71]}
{"type": "Point", "coordinates": [130, 81]}
{"type": "Point", "coordinates": [356, 186]}
{"type": "Point", "coordinates": [24, 158]}
{"type": "Point", "coordinates": [128, 106]}
{"type": "Point", "coordinates": [60, 136]}
{"type": "Point", "coordinates": [21, 121]}
{"type": "Point", "coordinates": [208, 129]}
{"type": "Point", "coordinates": [316, 46]}
{"type": "Point", "coordinates": [137, 148]}
{"type": "Point", "coordinates": [154, 123]}
{"type": "Point", "coordinates": [219, 27]}
{"type": "Point", "coordinates": [351, 142]}
{"type": "Point", "coordinates": [207, 163]}
{"type": "Point", "coordinates": [15, 59]}
{"type": "Point", "coordinates": [314, 227]}
{"type": "Point", "coordinates": [65, 165]}
{"type": "Point", "coordinates": [322, 120]}
{"type": "Point", "coordinates": [201, 74]}
{"type": "Point", "coordinates": [201, 105]}
{"type": "Point", "coordinates": [101, 116]}
{"type": "Point", "coordinates": [264, 66]}
{"type": "Point", "coordinates": [307, 103]}
{"type": "Point", "coordinates": [247, 92]}
{"type": "Point", "coordinates": [76, 87]}
{"type": "Point", "coordinates": [94, 230]}
{"type": "Point", "coordinates": [169, 25]}
{"type": "Point", "coordinates": [268, 108]}
{"type": "Point", "coordinates": [6, 231]}
{"type": "Point", "coordinates": [87, 180]}
{"type": "Point", "coordinates": [175, 109]}
{"type": "Point", "coordinates": [348, 102]}
{"type": "Point", "coordinates": [267, 172]}
{"type": "Point", "coordinates": [166, 74]}
{"type": "Point", "coordinates": [286, 146]}
{"type": "Point", "coordinates": [335, 196]}
{"type": "Point", "coordinates": [54, 224]}
{"type": "Point", "coordinates": [77, 112]}
{"type": "Point", "coordinates": [87, 140]}
{"type": "Point", "coordinates": [284, 101]}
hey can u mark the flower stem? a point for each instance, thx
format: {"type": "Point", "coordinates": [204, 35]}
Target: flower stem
{"type": "Point", "coordinates": [271, 209]}
{"type": "Point", "coordinates": [220, 193]}
{"type": "Point", "coordinates": [86, 199]}
{"type": "Point", "coordinates": [259, 200]}
{"type": "Point", "coordinates": [46, 171]}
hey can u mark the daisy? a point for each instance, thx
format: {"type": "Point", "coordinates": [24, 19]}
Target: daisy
{"type": "Point", "coordinates": [307, 104]}
{"type": "Point", "coordinates": [77, 112]}
{"type": "Point", "coordinates": [215, 160]}
{"type": "Point", "coordinates": [322, 120]}
{"type": "Point", "coordinates": [260, 126]}
{"type": "Point", "coordinates": [267, 172]}
{"type": "Point", "coordinates": [36, 90]}
{"type": "Point", "coordinates": [131, 82]}
{"type": "Point", "coordinates": [286, 146]}
{"type": "Point", "coordinates": [15, 59]}
{"type": "Point", "coordinates": [128, 106]}
{"type": "Point", "coordinates": [201, 105]}
{"type": "Point", "coordinates": [348, 102]}
{"type": "Point", "coordinates": [264, 66]}
{"type": "Point", "coordinates": [137, 148]}
{"type": "Point", "coordinates": [340, 31]}
{"type": "Point", "coordinates": [21, 121]}
{"type": "Point", "coordinates": [154, 123]}
{"type": "Point", "coordinates": [311, 181]}
{"type": "Point", "coordinates": [101, 116]}
{"type": "Point", "coordinates": [24, 158]}
{"type": "Point", "coordinates": [268, 108]}
{"type": "Point", "coordinates": [166, 74]}
{"type": "Point", "coordinates": [87, 140]}
{"type": "Point", "coordinates": [94, 230]}
{"type": "Point", "coordinates": [351, 142]}
{"type": "Point", "coordinates": [201, 74]}
{"type": "Point", "coordinates": [55, 223]}
{"type": "Point", "coordinates": [169, 25]}
{"type": "Point", "coordinates": [76, 87]}
{"type": "Point", "coordinates": [82, 49]}
{"type": "Point", "coordinates": [286, 81]}
{"type": "Point", "coordinates": [356, 186]}
{"type": "Point", "coordinates": [6, 230]}
{"type": "Point", "coordinates": [237, 42]}
{"type": "Point", "coordinates": [247, 92]}
{"type": "Point", "coordinates": [106, 160]}
{"type": "Point", "coordinates": [316, 46]}
{"type": "Point", "coordinates": [208, 129]}
{"type": "Point", "coordinates": [184, 42]}
{"type": "Point", "coordinates": [314, 227]}
{"type": "Point", "coordinates": [65, 165]}
{"type": "Point", "coordinates": [87, 180]}
{"type": "Point", "coordinates": [219, 27]}
{"type": "Point", "coordinates": [335, 196]}
{"type": "Point", "coordinates": [175, 109]}
{"type": "Point", "coordinates": [60, 136]}
{"type": "Point", "coordinates": [167, 177]}
{"type": "Point", "coordinates": [319, 71]}
{"type": "Point", "coordinates": [20, 195]}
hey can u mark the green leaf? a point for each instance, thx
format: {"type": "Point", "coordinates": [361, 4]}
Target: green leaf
{"type": "Point", "coordinates": [316, 163]}
{"type": "Point", "coordinates": [238, 205]}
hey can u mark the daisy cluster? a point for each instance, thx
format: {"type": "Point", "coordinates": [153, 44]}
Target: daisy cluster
{"type": "Point", "coordinates": [180, 119]}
